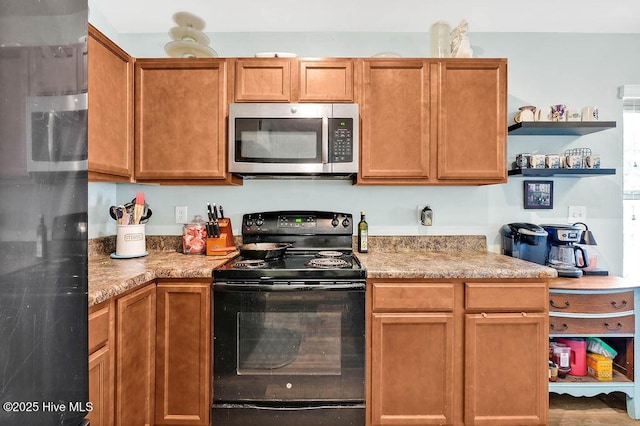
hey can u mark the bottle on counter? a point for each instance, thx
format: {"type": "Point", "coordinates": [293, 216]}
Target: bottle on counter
{"type": "Point", "coordinates": [363, 234]}
{"type": "Point", "coordinates": [41, 239]}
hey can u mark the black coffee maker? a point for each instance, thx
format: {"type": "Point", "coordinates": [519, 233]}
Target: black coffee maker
{"type": "Point", "coordinates": [525, 241]}
{"type": "Point", "coordinates": [567, 258]}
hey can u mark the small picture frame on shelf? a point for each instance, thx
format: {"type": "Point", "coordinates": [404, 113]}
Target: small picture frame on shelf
{"type": "Point", "coordinates": [538, 194]}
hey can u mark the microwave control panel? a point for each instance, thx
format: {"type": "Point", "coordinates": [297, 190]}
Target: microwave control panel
{"type": "Point", "coordinates": [340, 140]}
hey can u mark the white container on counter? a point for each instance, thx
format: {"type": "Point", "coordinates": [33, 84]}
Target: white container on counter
{"type": "Point", "coordinates": [131, 241]}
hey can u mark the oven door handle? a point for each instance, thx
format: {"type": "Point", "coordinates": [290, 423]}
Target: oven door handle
{"type": "Point", "coordinates": [351, 286]}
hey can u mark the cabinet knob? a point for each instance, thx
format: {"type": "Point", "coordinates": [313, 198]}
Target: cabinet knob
{"type": "Point", "coordinates": [553, 304]}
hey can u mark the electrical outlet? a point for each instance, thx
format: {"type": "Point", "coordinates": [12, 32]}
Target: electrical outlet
{"type": "Point", "coordinates": [181, 214]}
{"type": "Point", "coordinates": [577, 214]}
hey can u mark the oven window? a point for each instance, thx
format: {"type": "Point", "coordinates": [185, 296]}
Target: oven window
{"type": "Point", "coordinates": [284, 140]}
{"type": "Point", "coordinates": [289, 343]}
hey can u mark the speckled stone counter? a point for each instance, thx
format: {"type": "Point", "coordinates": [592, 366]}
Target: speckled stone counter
{"type": "Point", "coordinates": [443, 264]}
{"type": "Point", "coordinates": [111, 277]}
{"type": "Point", "coordinates": [443, 257]}
{"type": "Point", "coordinates": [388, 257]}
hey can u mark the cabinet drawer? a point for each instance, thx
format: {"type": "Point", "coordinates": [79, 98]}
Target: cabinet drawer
{"type": "Point", "coordinates": [415, 297]}
{"type": "Point", "coordinates": [98, 328]}
{"type": "Point", "coordinates": [591, 303]}
{"type": "Point", "coordinates": [605, 325]}
{"type": "Point", "coordinates": [506, 296]}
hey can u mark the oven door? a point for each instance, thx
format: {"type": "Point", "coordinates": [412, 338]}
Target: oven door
{"type": "Point", "coordinates": [292, 342]}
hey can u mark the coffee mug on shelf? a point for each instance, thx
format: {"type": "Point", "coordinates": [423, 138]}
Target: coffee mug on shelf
{"type": "Point", "coordinates": [590, 113]}
{"type": "Point", "coordinates": [542, 113]}
{"type": "Point", "coordinates": [537, 161]}
{"type": "Point", "coordinates": [558, 112]}
{"type": "Point", "coordinates": [574, 114]}
{"type": "Point", "coordinates": [573, 162]}
{"type": "Point", "coordinates": [552, 161]}
{"type": "Point", "coordinates": [527, 113]}
{"type": "Point", "coordinates": [592, 161]}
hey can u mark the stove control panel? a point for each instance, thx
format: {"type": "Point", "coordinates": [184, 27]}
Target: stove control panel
{"type": "Point", "coordinates": [297, 223]}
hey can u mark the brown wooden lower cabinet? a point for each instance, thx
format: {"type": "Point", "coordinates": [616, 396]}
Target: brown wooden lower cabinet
{"type": "Point", "coordinates": [150, 356]}
{"type": "Point", "coordinates": [505, 362]}
{"type": "Point", "coordinates": [457, 353]}
{"type": "Point", "coordinates": [183, 353]}
{"type": "Point", "coordinates": [135, 357]}
{"type": "Point", "coordinates": [412, 369]}
{"type": "Point", "coordinates": [101, 361]}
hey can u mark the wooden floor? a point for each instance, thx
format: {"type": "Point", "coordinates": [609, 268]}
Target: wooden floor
{"type": "Point", "coordinates": [609, 410]}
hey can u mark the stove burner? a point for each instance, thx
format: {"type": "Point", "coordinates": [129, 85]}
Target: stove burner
{"type": "Point", "coordinates": [250, 264]}
{"type": "Point", "coordinates": [329, 253]}
{"type": "Point", "coordinates": [328, 262]}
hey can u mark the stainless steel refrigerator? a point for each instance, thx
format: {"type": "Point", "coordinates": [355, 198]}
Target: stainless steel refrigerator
{"type": "Point", "coordinates": [43, 212]}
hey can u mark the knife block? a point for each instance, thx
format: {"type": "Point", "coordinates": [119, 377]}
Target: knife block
{"type": "Point", "coordinates": [220, 246]}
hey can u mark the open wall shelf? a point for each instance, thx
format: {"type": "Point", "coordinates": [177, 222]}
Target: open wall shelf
{"type": "Point", "coordinates": [561, 172]}
{"type": "Point", "coordinates": [562, 128]}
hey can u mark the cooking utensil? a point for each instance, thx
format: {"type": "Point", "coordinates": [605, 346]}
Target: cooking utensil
{"type": "Point", "coordinates": [138, 208]}
{"type": "Point", "coordinates": [263, 250]}
{"type": "Point", "coordinates": [123, 213]}
{"type": "Point", "coordinates": [221, 213]}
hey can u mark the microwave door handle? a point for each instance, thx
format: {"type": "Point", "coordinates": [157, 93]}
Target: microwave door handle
{"type": "Point", "coordinates": [50, 129]}
{"type": "Point", "coordinates": [325, 140]}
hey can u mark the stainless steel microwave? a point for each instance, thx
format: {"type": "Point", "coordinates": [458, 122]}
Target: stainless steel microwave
{"type": "Point", "coordinates": [275, 139]}
{"type": "Point", "coordinates": [57, 133]}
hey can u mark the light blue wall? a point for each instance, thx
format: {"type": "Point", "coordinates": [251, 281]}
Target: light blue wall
{"type": "Point", "coordinates": [544, 69]}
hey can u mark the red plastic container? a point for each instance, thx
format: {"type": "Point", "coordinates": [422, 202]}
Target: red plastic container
{"type": "Point", "coordinates": [578, 357]}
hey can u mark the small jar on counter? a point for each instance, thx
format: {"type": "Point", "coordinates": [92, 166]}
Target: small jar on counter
{"type": "Point", "coordinates": [194, 236]}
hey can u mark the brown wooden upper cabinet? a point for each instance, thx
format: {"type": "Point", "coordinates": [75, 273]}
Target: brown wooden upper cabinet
{"type": "Point", "coordinates": [427, 121]}
{"type": "Point", "coordinates": [472, 121]}
{"type": "Point", "coordinates": [395, 119]}
{"type": "Point", "coordinates": [180, 109]}
{"type": "Point", "coordinates": [292, 80]}
{"type": "Point", "coordinates": [110, 119]}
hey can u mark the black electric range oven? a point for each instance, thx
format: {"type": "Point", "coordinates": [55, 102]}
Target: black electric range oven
{"type": "Point", "coordinates": [289, 333]}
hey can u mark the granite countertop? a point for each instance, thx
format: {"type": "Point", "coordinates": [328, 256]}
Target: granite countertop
{"type": "Point", "coordinates": [388, 257]}
{"type": "Point", "coordinates": [463, 256]}
{"type": "Point", "coordinates": [111, 277]}
{"type": "Point", "coordinates": [444, 264]}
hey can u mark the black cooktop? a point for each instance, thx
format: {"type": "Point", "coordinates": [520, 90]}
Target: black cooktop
{"type": "Point", "coordinates": [292, 267]}
{"type": "Point", "coordinates": [320, 249]}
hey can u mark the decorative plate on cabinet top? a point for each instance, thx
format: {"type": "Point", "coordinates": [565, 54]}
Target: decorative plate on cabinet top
{"type": "Point", "coordinates": [275, 55]}
{"type": "Point", "coordinates": [189, 49]}
{"type": "Point", "coordinates": [387, 55]}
